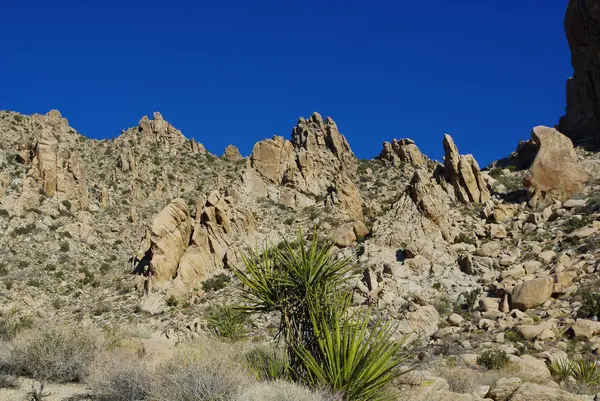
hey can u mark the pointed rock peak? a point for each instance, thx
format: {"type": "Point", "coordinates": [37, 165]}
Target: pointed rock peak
{"type": "Point", "coordinates": [464, 174]}
{"type": "Point", "coordinates": [232, 153]}
{"type": "Point", "coordinates": [316, 135]}
{"type": "Point", "coordinates": [158, 116]}
{"type": "Point", "coordinates": [158, 128]}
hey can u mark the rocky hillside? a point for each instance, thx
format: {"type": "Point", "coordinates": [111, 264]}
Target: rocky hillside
{"type": "Point", "coordinates": [471, 265]}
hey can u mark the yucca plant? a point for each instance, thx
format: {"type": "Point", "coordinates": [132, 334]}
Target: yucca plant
{"type": "Point", "coordinates": [585, 372]}
{"type": "Point", "coordinates": [227, 321]}
{"type": "Point", "coordinates": [287, 279]}
{"type": "Point", "coordinates": [560, 368]}
{"type": "Point", "coordinates": [352, 358]}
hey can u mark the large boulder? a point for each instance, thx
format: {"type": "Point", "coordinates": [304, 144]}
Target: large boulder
{"type": "Point", "coordinates": [464, 174]}
{"type": "Point", "coordinates": [232, 153]}
{"type": "Point", "coordinates": [555, 171]}
{"type": "Point", "coordinates": [582, 26]}
{"type": "Point", "coordinates": [532, 293]}
{"type": "Point", "coordinates": [166, 241]}
{"type": "Point", "coordinates": [538, 392]}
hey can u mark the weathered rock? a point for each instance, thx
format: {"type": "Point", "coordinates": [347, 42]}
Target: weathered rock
{"type": "Point", "coordinates": [532, 293]}
{"type": "Point", "coordinates": [464, 174]}
{"type": "Point", "coordinates": [232, 153]}
{"type": "Point", "coordinates": [402, 151]}
{"type": "Point", "coordinates": [582, 26]}
{"type": "Point", "coordinates": [349, 233]}
{"type": "Point", "coordinates": [537, 392]}
{"type": "Point", "coordinates": [46, 153]}
{"type": "Point", "coordinates": [503, 388]}
{"type": "Point", "coordinates": [585, 329]}
{"type": "Point", "coordinates": [555, 172]}
{"type": "Point", "coordinates": [166, 241]}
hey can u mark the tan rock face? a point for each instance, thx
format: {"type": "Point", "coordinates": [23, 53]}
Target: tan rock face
{"type": "Point", "coordinates": [402, 151]}
{"type": "Point", "coordinates": [169, 236]}
{"type": "Point", "coordinates": [177, 250]}
{"type": "Point", "coordinates": [532, 293]}
{"type": "Point", "coordinates": [582, 25]}
{"type": "Point", "coordinates": [232, 153]}
{"type": "Point", "coordinates": [316, 163]}
{"type": "Point", "coordinates": [555, 171]}
{"type": "Point", "coordinates": [46, 154]}
{"type": "Point", "coordinates": [464, 174]}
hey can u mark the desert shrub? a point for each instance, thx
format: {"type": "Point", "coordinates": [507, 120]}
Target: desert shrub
{"type": "Point", "coordinates": [585, 372]}
{"type": "Point", "coordinates": [590, 304]}
{"type": "Point", "coordinates": [325, 346]}
{"type": "Point", "coordinates": [172, 301]}
{"type": "Point", "coordinates": [281, 391]}
{"type": "Point", "coordinates": [10, 326]}
{"type": "Point", "coordinates": [64, 247]}
{"type": "Point", "coordinates": [560, 368]}
{"type": "Point", "coordinates": [200, 375]}
{"type": "Point", "coordinates": [216, 283]}
{"type": "Point", "coordinates": [8, 381]}
{"type": "Point", "coordinates": [593, 204]}
{"type": "Point", "coordinates": [467, 301]}
{"type": "Point", "coordinates": [574, 223]}
{"type": "Point", "coordinates": [120, 376]}
{"type": "Point", "coordinates": [493, 359]}
{"type": "Point", "coordinates": [266, 364]}
{"type": "Point", "coordinates": [54, 353]}
{"type": "Point", "coordinates": [25, 229]}
{"type": "Point", "coordinates": [464, 238]}
{"type": "Point", "coordinates": [227, 322]}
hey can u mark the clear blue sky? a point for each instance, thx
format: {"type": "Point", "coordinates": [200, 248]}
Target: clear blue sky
{"type": "Point", "coordinates": [240, 71]}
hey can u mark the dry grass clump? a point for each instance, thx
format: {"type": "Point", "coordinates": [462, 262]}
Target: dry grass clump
{"type": "Point", "coordinates": [120, 376]}
{"type": "Point", "coordinates": [52, 353]}
{"type": "Point", "coordinates": [282, 391]}
{"type": "Point", "coordinates": [201, 374]}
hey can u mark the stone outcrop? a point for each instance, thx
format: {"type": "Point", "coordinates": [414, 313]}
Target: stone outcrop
{"type": "Point", "coordinates": [348, 233]}
{"type": "Point", "coordinates": [177, 248]}
{"type": "Point", "coordinates": [582, 26]}
{"type": "Point", "coordinates": [464, 174]}
{"type": "Point", "coordinates": [46, 152]}
{"type": "Point", "coordinates": [555, 172]}
{"type": "Point", "coordinates": [232, 153]}
{"type": "Point", "coordinates": [402, 151]}
{"type": "Point", "coordinates": [166, 241]}
{"type": "Point", "coordinates": [315, 164]}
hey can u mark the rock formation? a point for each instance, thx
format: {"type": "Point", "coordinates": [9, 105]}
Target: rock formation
{"type": "Point", "coordinates": [582, 26]}
{"type": "Point", "coordinates": [315, 164]}
{"type": "Point", "coordinates": [177, 248]}
{"type": "Point", "coordinates": [402, 151]}
{"type": "Point", "coordinates": [232, 153]}
{"type": "Point", "coordinates": [555, 171]}
{"type": "Point", "coordinates": [464, 174]}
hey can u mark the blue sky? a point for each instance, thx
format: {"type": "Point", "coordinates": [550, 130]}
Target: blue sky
{"type": "Point", "coordinates": [240, 71]}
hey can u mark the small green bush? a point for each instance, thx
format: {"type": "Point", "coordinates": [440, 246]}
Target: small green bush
{"type": "Point", "coordinates": [593, 204]}
{"type": "Point", "coordinates": [216, 283]}
{"type": "Point", "coordinates": [227, 322]}
{"type": "Point", "coordinates": [172, 301]}
{"type": "Point", "coordinates": [574, 223]}
{"type": "Point", "coordinates": [64, 247]}
{"type": "Point", "coordinates": [464, 238]}
{"type": "Point", "coordinates": [466, 301]}
{"type": "Point", "coordinates": [493, 359]}
{"type": "Point", "coordinates": [590, 305]}
{"type": "Point", "coordinates": [267, 364]}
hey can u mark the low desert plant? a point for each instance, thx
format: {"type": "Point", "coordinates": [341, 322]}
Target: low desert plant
{"type": "Point", "coordinates": [282, 391]}
{"type": "Point", "coordinates": [590, 304]}
{"type": "Point", "coordinates": [53, 353]}
{"type": "Point", "coordinates": [227, 322]}
{"type": "Point", "coordinates": [586, 372]}
{"type": "Point", "coordinates": [120, 376]}
{"type": "Point", "coordinates": [493, 359]}
{"type": "Point", "coordinates": [467, 301]}
{"type": "Point", "coordinates": [8, 381]}
{"type": "Point", "coordinates": [561, 368]}
{"type": "Point", "coordinates": [216, 283]}
{"type": "Point", "coordinates": [267, 364]}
